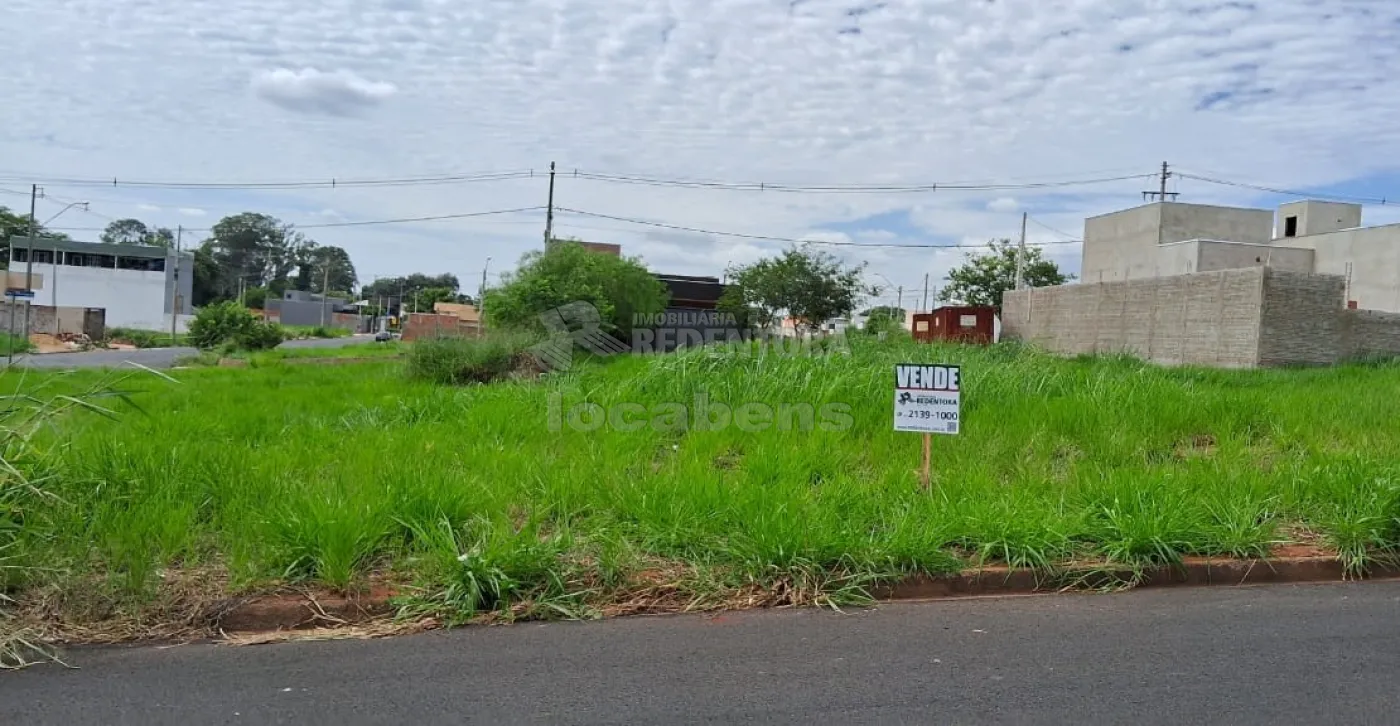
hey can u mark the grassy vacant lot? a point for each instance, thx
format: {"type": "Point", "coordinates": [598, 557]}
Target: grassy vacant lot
{"type": "Point", "coordinates": [344, 475]}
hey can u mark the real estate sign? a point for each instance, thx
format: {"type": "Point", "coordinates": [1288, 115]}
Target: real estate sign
{"type": "Point", "coordinates": [926, 398]}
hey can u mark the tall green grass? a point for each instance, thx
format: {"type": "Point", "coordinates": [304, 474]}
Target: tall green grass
{"type": "Point", "coordinates": [332, 474]}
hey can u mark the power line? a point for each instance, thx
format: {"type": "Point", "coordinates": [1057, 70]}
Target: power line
{"type": "Point", "coordinates": [1068, 237]}
{"type": "Point", "coordinates": [357, 223]}
{"type": "Point", "coordinates": [1290, 192]}
{"type": "Point", "coordinates": [771, 238]}
{"type": "Point", "coordinates": [847, 188]}
{"type": "Point", "coordinates": [332, 183]}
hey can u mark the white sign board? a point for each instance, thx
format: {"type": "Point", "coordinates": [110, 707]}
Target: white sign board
{"type": "Point", "coordinates": [926, 398]}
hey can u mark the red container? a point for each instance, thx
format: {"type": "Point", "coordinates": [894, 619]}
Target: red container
{"type": "Point", "coordinates": [971, 325]}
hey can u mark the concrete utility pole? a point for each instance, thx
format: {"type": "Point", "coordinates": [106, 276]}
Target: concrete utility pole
{"type": "Point", "coordinates": [549, 211]}
{"type": "Point", "coordinates": [325, 285]}
{"type": "Point", "coordinates": [481, 293]}
{"type": "Point", "coordinates": [900, 304]}
{"type": "Point", "coordinates": [1161, 194]}
{"type": "Point", "coordinates": [925, 305]}
{"type": "Point", "coordinates": [175, 293]}
{"type": "Point", "coordinates": [1021, 254]}
{"type": "Point", "coordinates": [28, 261]}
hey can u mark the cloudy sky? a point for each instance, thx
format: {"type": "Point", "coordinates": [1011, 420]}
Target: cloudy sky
{"type": "Point", "coordinates": [1296, 94]}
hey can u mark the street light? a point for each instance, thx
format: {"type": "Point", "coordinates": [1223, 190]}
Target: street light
{"type": "Point", "coordinates": [84, 205]}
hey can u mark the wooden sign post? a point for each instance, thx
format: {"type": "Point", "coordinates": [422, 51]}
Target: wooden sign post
{"type": "Point", "coordinates": [927, 400]}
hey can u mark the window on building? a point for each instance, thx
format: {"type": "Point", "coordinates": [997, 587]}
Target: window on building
{"type": "Point", "coordinates": [144, 264]}
{"type": "Point", "coordinates": [1290, 227]}
{"type": "Point", "coordinates": [88, 259]}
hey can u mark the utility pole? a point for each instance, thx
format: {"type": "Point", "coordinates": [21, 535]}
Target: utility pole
{"type": "Point", "coordinates": [925, 305]}
{"type": "Point", "coordinates": [175, 293]}
{"type": "Point", "coordinates": [549, 211]}
{"type": "Point", "coordinates": [900, 304]}
{"type": "Point", "coordinates": [28, 260]}
{"type": "Point", "coordinates": [481, 295]}
{"type": "Point", "coordinates": [1021, 254]}
{"type": "Point", "coordinates": [1161, 194]}
{"type": "Point", "coordinates": [325, 295]}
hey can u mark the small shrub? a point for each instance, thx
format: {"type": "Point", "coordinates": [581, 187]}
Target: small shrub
{"type": "Point", "coordinates": [230, 325]}
{"type": "Point", "coordinates": [14, 344]}
{"type": "Point", "coordinates": [455, 361]}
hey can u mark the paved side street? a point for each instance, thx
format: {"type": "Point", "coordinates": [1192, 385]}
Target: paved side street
{"type": "Point", "coordinates": [1258, 655]}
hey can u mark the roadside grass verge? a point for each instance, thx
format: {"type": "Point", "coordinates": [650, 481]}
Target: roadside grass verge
{"type": "Point", "coordinates": [14, 344]}
{"type": "Point", "coordinates": [490, 500]}
{"type": "Point", "coordinates": [294, 332]}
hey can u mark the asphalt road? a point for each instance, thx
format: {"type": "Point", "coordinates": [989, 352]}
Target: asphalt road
{"type": "Point", "coordinates": [156, 357]}
{"type": "Point", "coordinates": [1268, 655]}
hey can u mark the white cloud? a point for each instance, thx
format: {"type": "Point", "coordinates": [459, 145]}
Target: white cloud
{"type": "Point", "coordinates": [928, 91]}
{"type": "Point", "coordinates": [341, 93]}
{"type": "Point", "coordinates": [148, 207]}
{"type": "Point", "coordinates": [192, 211]}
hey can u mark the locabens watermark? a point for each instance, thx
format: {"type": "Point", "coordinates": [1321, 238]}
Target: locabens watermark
{"type": "Point", "coordinates": [698, 414]}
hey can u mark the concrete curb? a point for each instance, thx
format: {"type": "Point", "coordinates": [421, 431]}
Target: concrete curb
{"type": "Point", "coordinates": [293, 611]}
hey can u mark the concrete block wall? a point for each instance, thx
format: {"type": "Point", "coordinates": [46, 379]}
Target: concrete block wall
{"type": "Point", "coordinates": [1369, 333]}
{"type": "Point", "coordinates": [51, 320]}
{"type": "Point", "coordinates": [1205, 318]}
{"type": "Point", "coordinates": [1301, 321]}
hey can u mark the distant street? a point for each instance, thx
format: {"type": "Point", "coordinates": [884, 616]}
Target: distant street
{"type": "Point", "coordinates": [156, 357]}
{"type": "Point", "coordinates": [1267, 655]}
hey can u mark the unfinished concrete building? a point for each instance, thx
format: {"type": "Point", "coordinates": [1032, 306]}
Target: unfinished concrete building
{"type": "Point", "coordinates": [1170, 238]}
{"type": "Point", "coordinates": [1199, 284]}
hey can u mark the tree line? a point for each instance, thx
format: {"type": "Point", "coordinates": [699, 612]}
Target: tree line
{"type": "Point", "coordinates": [252, 256]}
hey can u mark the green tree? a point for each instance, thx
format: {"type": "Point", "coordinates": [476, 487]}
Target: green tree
{"type": "Point", "coordinates": [13, 225]}
{"type": "Point", "coordinates": [135, 232]}
{"type": "Point", "coordinates": [428, 297]}
{"type": "Point", "coordinates": [322, 266]}
{"type": "Point", "coordinates": [206, 276]}
{"type": "Point", "coordinates": [393, 287]}
{"type": "Point", "coordinates": [985, 276]}
{"type": "Point", "coordinates": [255, 298]}
{"type": "Point", "coordinates": [258, 249]}
{"type": "Point", "coordinates": [809, 285]}
{"type": "Point", "coordinates": [884, 318]}
{"type": "Point", "coordinates": [620, 288]}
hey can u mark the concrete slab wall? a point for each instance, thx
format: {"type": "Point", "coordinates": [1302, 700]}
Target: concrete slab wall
{"type": "Point", "coordinates": [1121, 245]}
{"type": "Point", "coordinates": [1127, 245]}
{"type": "Point", "coordinates": [1181, 222]}
{"type": "Point", "coordinates": [1371, 255]}
{"type": "Point", "coordinates": [1315, 217]}
{"type": "Point", "coordinates": [1214, 255]}
{"type": "Point", "coordinates": [1204, 318]}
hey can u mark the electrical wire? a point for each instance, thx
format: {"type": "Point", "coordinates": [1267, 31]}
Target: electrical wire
{"type": "Point", "coordinates": [332, 183]}
{"type": "Point", "coordinates": [771, 238]}
{"type": "Point", "coordinates": [847, 188]}
{"type": "Point", "coordinates": [1290, 192]}
{"type": "Point", "coordinates": [1043, 225]}
{"type": "Point", "coordinates": [356, 223]}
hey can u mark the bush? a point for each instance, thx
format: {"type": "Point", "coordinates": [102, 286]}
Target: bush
{"type": "Point", "coordinates": [454, 361]}
{"type": "Point", "coordinates": [14, 344]}
{"type": "Point", "coordinates": [230, 325]}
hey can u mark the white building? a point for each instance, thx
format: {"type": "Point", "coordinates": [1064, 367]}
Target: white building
{"type": "Point", "coordinates": [1164, 239]}
{"type": "Point", "coordinates": [135, 284]}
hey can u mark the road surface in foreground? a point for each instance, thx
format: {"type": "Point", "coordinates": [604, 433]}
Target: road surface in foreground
{"type": "Point", "coordinates": [156, 357]}
{"type": "Point", "coordinates": [1267, 655]}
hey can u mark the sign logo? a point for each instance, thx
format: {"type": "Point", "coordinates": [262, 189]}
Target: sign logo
{"type": "Point", "coordinates": [577, 323]}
